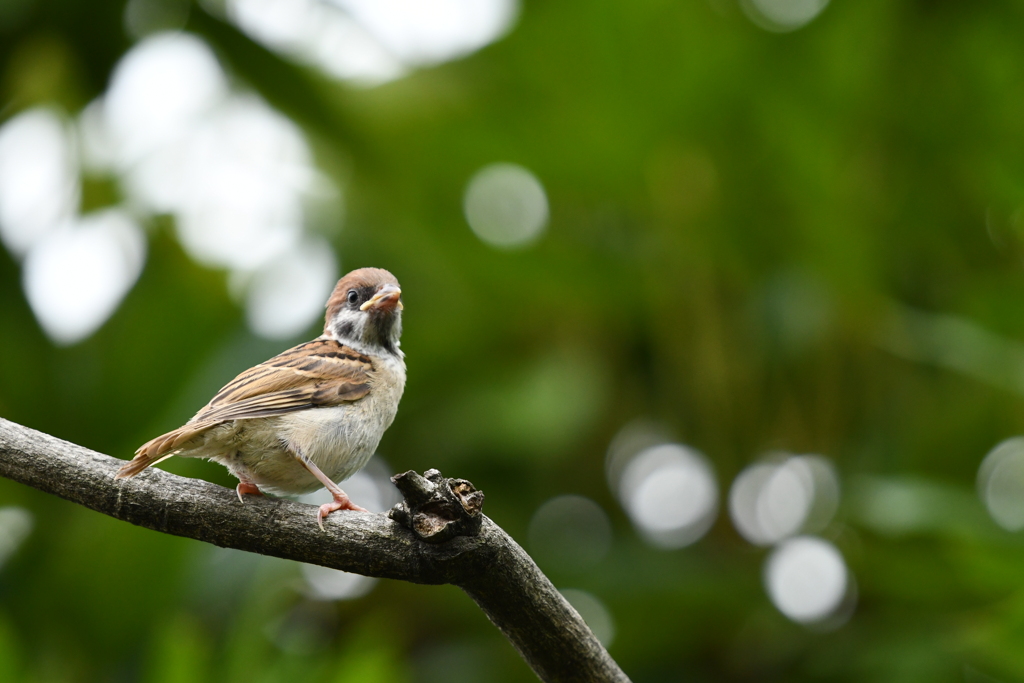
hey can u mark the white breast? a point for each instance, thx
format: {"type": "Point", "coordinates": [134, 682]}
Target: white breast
{"type": "Point", "coordinates": [340, 440]}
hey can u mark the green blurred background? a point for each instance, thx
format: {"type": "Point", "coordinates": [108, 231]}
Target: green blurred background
{"type": "Point", "coordinates": [765, 228]}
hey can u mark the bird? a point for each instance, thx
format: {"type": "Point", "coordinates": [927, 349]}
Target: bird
{"type": "Point", "coordinates": [312, 415]}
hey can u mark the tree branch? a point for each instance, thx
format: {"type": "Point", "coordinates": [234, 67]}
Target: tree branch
{"type": "Point", "coordinates": [499, 576]}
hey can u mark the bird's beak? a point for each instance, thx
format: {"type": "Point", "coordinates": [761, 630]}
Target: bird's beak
{"type": "Point", "coordinates": [386, 299]}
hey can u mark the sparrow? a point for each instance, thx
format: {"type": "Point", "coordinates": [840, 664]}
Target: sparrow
{"type": "Point", "coordinates": [312, 415]}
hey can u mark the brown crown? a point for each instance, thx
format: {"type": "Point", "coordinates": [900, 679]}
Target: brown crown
{"type": "Point", "coordinates": [363, 278]}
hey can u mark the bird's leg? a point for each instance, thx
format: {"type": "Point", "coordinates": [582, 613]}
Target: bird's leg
{"type": "Point", "coordinates": [341, 499]}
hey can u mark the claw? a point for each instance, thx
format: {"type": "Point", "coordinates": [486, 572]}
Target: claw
{"type": "Point", "coordinates": [341, 502]}
{"type": "Point", "coordinates": [247, 487]}
{"type": "Point", "coordinates": [341, 499]}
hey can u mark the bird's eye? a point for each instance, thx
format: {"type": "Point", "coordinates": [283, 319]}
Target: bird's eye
{"type": "Point", "coordinates": [353, 296]}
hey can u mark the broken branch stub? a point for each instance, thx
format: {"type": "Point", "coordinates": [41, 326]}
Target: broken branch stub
{"type": "Point", "coordinates": [436, 508]}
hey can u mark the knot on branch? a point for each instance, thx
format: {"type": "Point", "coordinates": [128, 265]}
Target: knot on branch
{"type": "Point", "coordinates": [437, 508]}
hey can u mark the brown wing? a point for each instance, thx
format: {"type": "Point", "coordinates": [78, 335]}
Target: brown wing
{"type": "Point", "coordinates": [319, 373]}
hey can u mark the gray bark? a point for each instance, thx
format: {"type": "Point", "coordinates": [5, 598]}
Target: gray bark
{"type": "Point", "coordinates": [438, 535]}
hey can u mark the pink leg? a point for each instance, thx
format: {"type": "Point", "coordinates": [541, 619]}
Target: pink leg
{"type": "Point", "coordinates": [249, 488]}
{"type": "Point", "coordinates": [341, 499]}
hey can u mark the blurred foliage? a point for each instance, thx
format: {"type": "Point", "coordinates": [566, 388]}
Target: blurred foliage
{"type": "Point", "coordinates": [735, 217]}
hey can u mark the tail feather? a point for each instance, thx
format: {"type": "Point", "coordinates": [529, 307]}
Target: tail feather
{"type": "Point", "coordinates": [159, 449]}
{"type": "Point", "coordinates": [137, 464]}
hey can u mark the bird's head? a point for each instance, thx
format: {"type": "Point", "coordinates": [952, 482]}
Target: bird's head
{"type": "Point", "coordinates": [365, 311]}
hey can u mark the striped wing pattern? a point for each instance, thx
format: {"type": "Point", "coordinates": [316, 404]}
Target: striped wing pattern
{"type": "Point", "coordinates": [315, 374]}
{"type": "Point", "coordinates": [318, 373]}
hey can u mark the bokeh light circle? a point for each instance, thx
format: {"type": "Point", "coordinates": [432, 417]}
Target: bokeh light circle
{"type": "Point", "coordinates": [782, 15]}
{"type": "Point", "coordinates": [670, 493]}
{"type": "Point", "coordinates": [288, 292]}
{"type": "Point", "coordinates": [634, 437]}
{"type": "Point", "coordinates": [429, 33]}
{"type": "Point", "coordinates": [806, 578]}
{"type": "Point", "coordinates": [506, 205]}
{"type": "Point", "coordinates": [159, 89]}
{"type": "Point", "coordinates": [569, 533]}
{"type": "Point", "coordinates": [782, 496]}
{"type": "Point", "coordinates": [76, 277]}
{"type": "Point", "coordinates": [1001, 483]}
{"type": "Point", "coordinates": [39, 185]}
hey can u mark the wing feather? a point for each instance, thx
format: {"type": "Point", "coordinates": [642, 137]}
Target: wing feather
{"type": "Point", "coordinates": [319, 373]}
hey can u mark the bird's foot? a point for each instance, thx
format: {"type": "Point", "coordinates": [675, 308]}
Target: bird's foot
{"type": "Point", "coordinates": [247, 487]}
{"type": "Point", "coordinates": [341, 502]}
